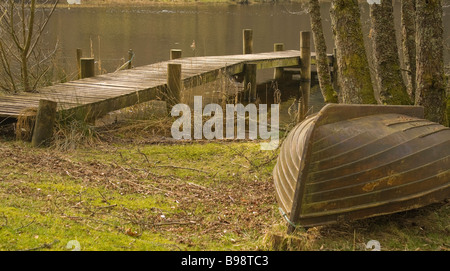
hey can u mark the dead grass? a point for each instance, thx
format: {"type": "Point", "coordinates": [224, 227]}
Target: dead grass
{"type": "Point", "coordinates": [25, 124]}
{"type": "Point", "coordinates": [128, 186]}
{"type": "Point", "coordinates": [127, 193]}
{"type": "Point", "coordinates": [135, 192]}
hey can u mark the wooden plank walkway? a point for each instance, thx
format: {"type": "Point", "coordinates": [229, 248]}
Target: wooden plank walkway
{"type": "Point", "coordinates": [96, 96]}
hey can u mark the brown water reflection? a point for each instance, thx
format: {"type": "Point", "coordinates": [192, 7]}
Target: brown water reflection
{"type": "Point", "coordinates": [152, 31]}
{"type": "Point", "coordinates": [216, 29]}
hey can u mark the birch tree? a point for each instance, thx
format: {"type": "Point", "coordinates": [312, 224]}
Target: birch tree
{"type": "Point", "coordinates": [388, 75]}
{"type": "Point", "coordinates": [323, 69]}
{"type": "Point", "coordinates": [408, 37]}
{"type": "Point", "coordinates": [430, 92]}
{"type": "Point", "coordinates": [22, 59]}
{"type": "Point", "coordinates": [354, 78]}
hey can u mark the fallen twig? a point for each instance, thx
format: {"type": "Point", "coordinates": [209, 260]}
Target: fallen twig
{"type": "Point", "coordinates": [24, 226]}
{"type": "Point", "coordinates": [104, 199]}
{"type": "Point", "coordinates": [105, 207]}
{"type": "Point", "coordinates": [47, 245]}
{"type": "Point", "coordinates": [177, 167]}
{"type": "Point", "coordinates": [169, 166]}
{"type": "Point", "coordinates": [174, 223]}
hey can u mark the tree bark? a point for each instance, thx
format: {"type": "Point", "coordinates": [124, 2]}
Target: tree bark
{"type": "Point", "coordinates": [430, 92]}
{"type": "Point", "coordinates": [323, 69]}
{"type": "Point", "coordinates": [27, 44]}
{"type": "Point", "coordinates": [385, 51]}
{"type": "Point", "coordinates": [354, 73]}
{"type": "Point", "coordinates": [408, 22]}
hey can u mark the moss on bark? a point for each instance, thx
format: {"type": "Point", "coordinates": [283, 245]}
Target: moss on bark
{"type": "Point", "coordinates": [323, 68]}
{"type": "Point", "coordinates": [430, 92]}
{"type": "Point", "coordinates": [408, 22]}
{"type": "Point", "coordinates": [354, 73]}
{"type": "Point", "coordinates": [387, 63]}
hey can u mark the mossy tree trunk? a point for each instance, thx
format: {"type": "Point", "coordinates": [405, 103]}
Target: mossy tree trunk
{"type": "Point", "coordinates": [323, 69]}
{"type": "Point", "coordinates": [448, 109]}
{"type": "Point", "coordinates": [408, 22]}
{"type": "Point", "coordinates": [385, 51]}
{"type": "Point", "coordinates": [354, 73]}
{"type": "Point", "coordinates": [430, 92]}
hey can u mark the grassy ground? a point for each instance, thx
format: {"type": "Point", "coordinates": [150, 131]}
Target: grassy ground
{"type": "Point", "coordinates": [132, 189]}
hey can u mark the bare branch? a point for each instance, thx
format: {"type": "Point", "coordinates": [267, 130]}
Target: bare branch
{"type": "Point", "coordinates": [39, 34]}
{"type": "Point", "coordinates": [23, 65]}
{"type": "Point", "coordinates": [6, 66]}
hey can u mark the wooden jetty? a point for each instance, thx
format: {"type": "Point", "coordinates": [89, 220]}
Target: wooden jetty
{"type": "Point", "coordinates": [108, 92]}
{"type": "Point", "coordinates": [92, 96]}
{"type": "Point", "coordinates": [95, 96]}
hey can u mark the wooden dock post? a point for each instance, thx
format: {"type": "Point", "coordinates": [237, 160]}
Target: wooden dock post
{"type": "Point", "coordinates": [79, 56]}
{"type": "Point", "coordinates": [247, 41]}
{"type": "Point", "coordinates": [278, 72]}
{"type": "Point", "coordinates": [250, 81]}
{"type": "Point", "coordinates": [130, 58]}
{"type": "Point", "coordinates": [45, 120]}
{"type": "Point", "coordinates": [173, 85]}
{"type": "Point", "coordinates": [305, 72]}
{"type": "Point", "coordinates": [175, 53]}
{"type": "Point", "coordinates": [87, 67]}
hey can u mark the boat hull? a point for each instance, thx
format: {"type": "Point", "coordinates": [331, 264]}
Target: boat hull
{"type": "Point", "coordinates": [355, 161]}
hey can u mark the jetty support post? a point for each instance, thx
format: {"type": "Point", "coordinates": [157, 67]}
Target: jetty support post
{"type": "Point", "coordinates": [130, 58]}
{"type": "Point", "coordinates": [87, 67]}
{"type": "Point", "coordinates": [247, 35]}
{"type": "Point", "coordinates": [45, 121]}
{"type": "Point", "coordinates": [174, 85]}
{"type": "Point", "coordinates": [79, 56]}
{"type": "Point", "coordinates": [305, 73]}
{"type": "Point", "coordinates": [278, 72]}
{"type": "Point", "coordinates": [250, 81]}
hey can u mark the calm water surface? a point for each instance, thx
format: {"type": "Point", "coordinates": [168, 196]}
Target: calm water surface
{"type": "Point", "coordinates": [109, 32]}
{"type": "Point", "coordinates": [152, 31]}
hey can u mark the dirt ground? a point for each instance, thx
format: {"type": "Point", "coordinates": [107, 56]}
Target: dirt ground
{"type": "Point", "coordinates": [145, 192]}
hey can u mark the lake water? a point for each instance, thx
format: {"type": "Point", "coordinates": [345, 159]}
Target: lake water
{"type": "Point", "coordinates": [151, 31]}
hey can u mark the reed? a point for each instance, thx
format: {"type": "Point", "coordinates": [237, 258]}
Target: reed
{"type": "Point", "coordinates": [276, 239]}
{"type": "Point", "coordinates": [25, 124]}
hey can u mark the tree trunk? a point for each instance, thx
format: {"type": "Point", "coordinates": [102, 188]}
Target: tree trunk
{"type": "Point", "coordinates": [323, 69]}
{"type": "Point", "coordinates": [408, 11]}
{"type": "Point", "coordinates": [25, 76]}
{"type": "Point", "coordinates": [354, 73]}
{"type": "Point", "coordinates": [27, 37]}
{"type": "Point", "coordinates": [430, 92]}
{"type": "Point", "coordinates": [385, 51]}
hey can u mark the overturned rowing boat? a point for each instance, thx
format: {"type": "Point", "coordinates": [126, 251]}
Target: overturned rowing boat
{"type": "Point", "coordinates": [350, 162]}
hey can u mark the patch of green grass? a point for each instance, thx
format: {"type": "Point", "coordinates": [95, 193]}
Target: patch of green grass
{"type": "Point", "coordinates": [191, 196]}
{"type": "Point", "coordinates": [123, 197]}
